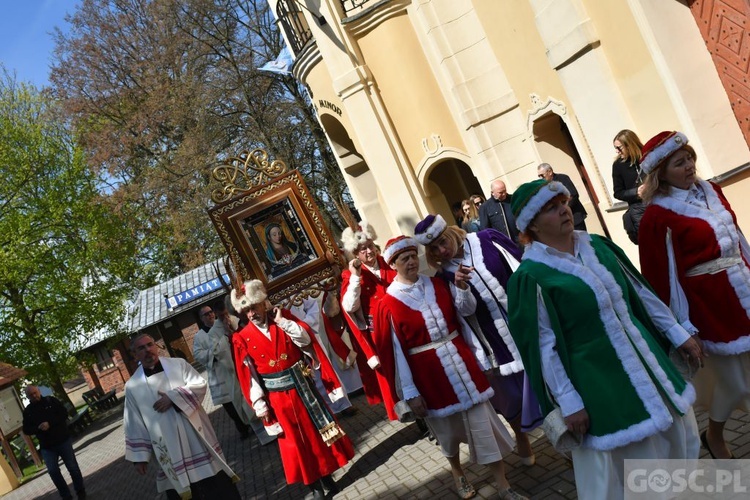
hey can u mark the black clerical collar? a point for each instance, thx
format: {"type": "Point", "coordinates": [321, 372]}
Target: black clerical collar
{"type": "Point", "coordinates": [153, 371]}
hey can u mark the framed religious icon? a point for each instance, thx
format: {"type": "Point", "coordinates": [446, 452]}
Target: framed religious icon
{"type": "Point", "coordinates": [274, 232]}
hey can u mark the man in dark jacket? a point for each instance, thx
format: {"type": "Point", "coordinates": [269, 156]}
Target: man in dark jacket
{"type": "Point", "coordinates": [46, 418]}
{"type": "Point", "coordinates": [495, 213]}
{"type": "Point", "coordinates": [544, 170]}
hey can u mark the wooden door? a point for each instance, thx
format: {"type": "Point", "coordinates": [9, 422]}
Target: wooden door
{"type": "Point", "coordinates": [724, 26]}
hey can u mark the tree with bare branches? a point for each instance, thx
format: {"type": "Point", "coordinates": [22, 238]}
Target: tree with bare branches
{"type": "Point", "coordinates": [159, 90]}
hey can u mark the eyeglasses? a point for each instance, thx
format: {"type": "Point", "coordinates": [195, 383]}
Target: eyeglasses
{"type": "Point", "coordinates": [207, 313]}
{"type": "Point", "coordinates": [477, 203]}
{"type": "Point", "coordinates": [541, 176]}
{"type": "Point", "coordinates": [618, 149]}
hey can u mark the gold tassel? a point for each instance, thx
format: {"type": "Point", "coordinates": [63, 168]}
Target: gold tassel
{"type": "Point", "coordinates": [332, 433]}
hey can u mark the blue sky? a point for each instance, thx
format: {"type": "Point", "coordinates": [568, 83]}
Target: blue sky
{"type": "Point", "coordinates": [26, 43]}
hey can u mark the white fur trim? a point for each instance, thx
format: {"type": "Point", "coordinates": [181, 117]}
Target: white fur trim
{"type": "Point", "coordinates": [273, 429]}
{"type": "Point", "coordinates": [351, 239]}
{"type": "Point", "coordinates": [432, 232]}
{"type": "Point", "coordinates": [738, 346]}
{"type": "Point", "coordinates": [535, 204]}
{"type": "Point", "coordinates": [615, 317]}
{"type": "Point", "coordinates": [421, 297]}
{"type": "Point", "coordinates": [488, 288]}
{"type": "Point", "coordinates": [255, 293]}
{"type": "Point", "coordinates": [336, 394]}
{"type": "Point", "coordinates": [666, 148]}
{"type": "Point", "coordinates": [728, 239]}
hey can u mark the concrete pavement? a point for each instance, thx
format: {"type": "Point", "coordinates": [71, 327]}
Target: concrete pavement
{"type": "Point", "coordinates": [392, 461]}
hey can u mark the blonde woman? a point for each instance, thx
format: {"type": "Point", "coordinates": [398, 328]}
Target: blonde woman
{"type": "Point", "coordinates": [486, 259]}
{"type": "Point", "coordinates": [696, 258]}
{"type": "Point", "coordinates": [627, 179]}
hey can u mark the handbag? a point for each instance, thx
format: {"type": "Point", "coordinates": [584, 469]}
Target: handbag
{"type": "Point", "coordinates": [404, 412]}
{"type": "Point", "coordinates": [682, 366]}
{"type": "Point", "coordinates": [557, 432]}
{"type": "Point", "coordinates": [402, 409]}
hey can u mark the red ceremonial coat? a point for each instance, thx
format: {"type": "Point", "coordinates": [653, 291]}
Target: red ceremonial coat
{"type": "Point", "coordinates": [448, 377]}
{"type": "Point", "coordinates": [334, 334]}
{"type": "Point", "coordinates": [305, 456]}
{"type": "Point", "coordinates": [719, 303]}
{"type": "Point", "coordinates": [373, 289]}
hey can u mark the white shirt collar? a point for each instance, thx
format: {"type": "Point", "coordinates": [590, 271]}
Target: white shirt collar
{"type": "Point", "coordinates": [540, 249]}
{"type": "Point", "coordinates": [373, 269]}
{"type": "Point", "coordinates": [693, 194]}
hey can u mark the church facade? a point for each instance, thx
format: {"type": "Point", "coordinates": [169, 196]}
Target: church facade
{"type": "Point", "coordinates": [427, 101]}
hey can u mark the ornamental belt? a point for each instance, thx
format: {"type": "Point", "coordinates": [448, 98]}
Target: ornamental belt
{"type": "Point", "coordinates": [297, 377]}
{"type": "Point", "coordinates": [714, 266]}
{"type": "Point", "coordinates": [433, 345]}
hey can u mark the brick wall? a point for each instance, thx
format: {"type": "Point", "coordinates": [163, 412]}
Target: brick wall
{"type": "Point", "coordinates": [116, 377]}
{"type": "Point", "coordinates": [189, 331]}
{"type": "Point", "coordinates": [113, 377]}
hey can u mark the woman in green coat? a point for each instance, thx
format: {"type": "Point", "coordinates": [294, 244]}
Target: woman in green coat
{"type": "Point", "coordinates": [595, 341]}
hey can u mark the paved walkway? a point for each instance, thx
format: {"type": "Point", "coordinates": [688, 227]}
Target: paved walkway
{"type": "Point", "coordinates": [392, 461]}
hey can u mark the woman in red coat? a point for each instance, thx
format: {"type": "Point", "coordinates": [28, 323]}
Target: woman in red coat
{"type": "Point", "coordinates": [696, 258]}
{"type": "Point", "coordinates": [438, 369]}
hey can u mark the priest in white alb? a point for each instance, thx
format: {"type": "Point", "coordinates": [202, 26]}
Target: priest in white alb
{"type": "Point", "coordinates": [164, 420]}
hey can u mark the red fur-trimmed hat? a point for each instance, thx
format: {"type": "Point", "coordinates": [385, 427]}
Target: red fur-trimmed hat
{"type": "Point", "coordinates": [398, 245]}
{"type": "Point", "coordinates": [659, 147]}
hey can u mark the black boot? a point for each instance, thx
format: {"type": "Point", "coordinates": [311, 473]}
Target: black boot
{"type": "Point", "coordinates": [317, 489]}
{"type": "Point", "coordinates": [330, 485]}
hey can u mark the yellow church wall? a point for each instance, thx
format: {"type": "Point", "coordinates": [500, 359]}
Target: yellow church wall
{"type": "Point", "coordinates": [510, 28]}
{"type": "Point", "coordinates": [407, 87]}
{"type": "Point", "coordinates": [319, 81]}
{"type": "Point", "coordinates": [646, 69]}
{"type": "Point", "coordinates": [641, 88]}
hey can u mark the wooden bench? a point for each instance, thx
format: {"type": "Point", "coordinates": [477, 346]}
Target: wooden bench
{"type": "Point", "coordinates": [98, 400]}
{"type": "Point", "coordinates": [80, 419]}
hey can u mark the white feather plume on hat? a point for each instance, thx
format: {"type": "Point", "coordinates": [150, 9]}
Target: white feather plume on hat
{"type": "Point", "coordinates": [252, 292]}
{"type": "Point", "coordinates": [351, 239]}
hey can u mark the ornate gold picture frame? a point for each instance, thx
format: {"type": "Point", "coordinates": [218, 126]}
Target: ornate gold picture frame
{"type": "Point", "coordinates": [274, 232]}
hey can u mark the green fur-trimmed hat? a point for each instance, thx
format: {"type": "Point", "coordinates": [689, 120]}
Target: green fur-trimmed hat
{"type": "Point", "coordinates": [529, 199]}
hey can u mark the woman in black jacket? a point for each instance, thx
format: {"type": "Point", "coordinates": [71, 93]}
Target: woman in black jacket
{"type": "Point", "coordinates": [627, 179]}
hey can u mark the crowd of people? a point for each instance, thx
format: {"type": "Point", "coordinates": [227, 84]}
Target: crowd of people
{"type": "Point", "coordinates": [527, 316]}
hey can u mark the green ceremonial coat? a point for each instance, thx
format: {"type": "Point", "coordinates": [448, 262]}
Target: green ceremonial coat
{"type": "Point", "coordinates": [613, 354]}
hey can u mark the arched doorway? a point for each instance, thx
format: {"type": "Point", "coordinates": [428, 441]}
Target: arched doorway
{"type": "Point", "coordinates": [556, 147]}
{"type": "Point", "coordinates": [346, 153]}
{"type": "Point", "coordinates": [449, 182]}
{"type": "Point", "coordinates": [363, 186]}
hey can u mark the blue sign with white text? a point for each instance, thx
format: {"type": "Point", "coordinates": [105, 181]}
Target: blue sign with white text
{"type": "Point", "coordinates": [195, 292]}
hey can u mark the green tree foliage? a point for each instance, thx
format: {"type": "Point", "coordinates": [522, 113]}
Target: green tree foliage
{"type": "Point", "coordinates": [64, 253]}
{"type": "Point", "coordinates": [159, 90]}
